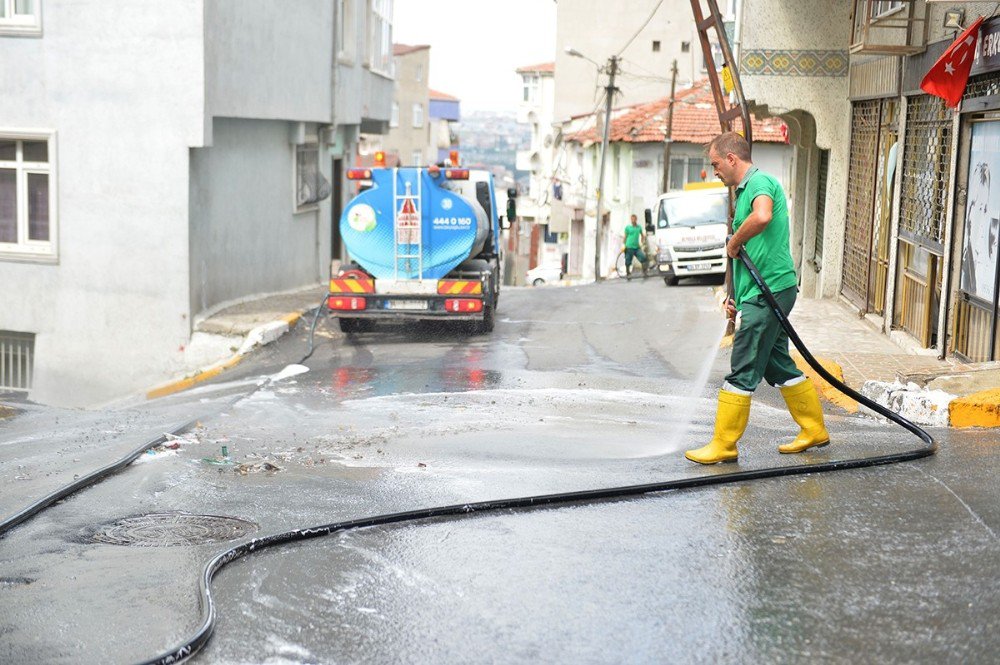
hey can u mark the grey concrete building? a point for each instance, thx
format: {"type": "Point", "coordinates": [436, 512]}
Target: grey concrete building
{"type": "Point", "coordinates": [161, 160]}
{"type": "Point", "coordinates": [409, 137]}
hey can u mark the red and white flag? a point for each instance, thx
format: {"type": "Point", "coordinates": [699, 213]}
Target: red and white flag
{"type": "Point", "coordinates": [948, 76]}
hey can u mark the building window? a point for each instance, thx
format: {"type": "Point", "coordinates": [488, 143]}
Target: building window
{"type": "Point", "coordinates": [882, 8]}
{"type": "Point", "coordinates": [531, 88]}
{"type": "Point", "coordinates": [420, 73]}
{"type": "Point", "coordinates": [20, 17]}
{"type": "Point", "coordinates": [685, 47]}
{"type": "Point", "coordinates": [310, 185]}
{"type": "Point", "coordinates": [380, 36]}
{"type": "Point", "coordinates": [27, 206]}
{"type": "Point", "coordinates": [346, 32]}
{"type": "Point", "coordinates": [687, 169]}
{"type": "Point", "coordinates": [394, 118]}
{"type": "Point", "coordinates": [656, 45]}
{"type": "Point", "coordinates": [17, 357]}
{"type": "Point", "coordinates": [417, 158]}
{"type": "Point", "coordinates": [418, 115]}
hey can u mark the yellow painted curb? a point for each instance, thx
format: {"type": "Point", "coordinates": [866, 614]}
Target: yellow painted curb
{"type": "Point", "coordinates": [825, 390]}
{"type": "Point", "coordinates": [215, 370]}
{"type": "Point", "coordinates": [980, 409]}
{"type": "Point", "coordinates": [184, 384]}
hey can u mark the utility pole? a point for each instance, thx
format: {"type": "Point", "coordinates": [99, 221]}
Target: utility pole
{"type": "Point", "coordinates": [667, 137]}
{"type": "Point", "coordinates": [609, 98]}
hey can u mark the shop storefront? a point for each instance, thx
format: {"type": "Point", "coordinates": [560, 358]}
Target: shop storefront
{"type": "Point", "coordinates": [875, 118]}
{"type": "Point", "coordinates": [976, 269]}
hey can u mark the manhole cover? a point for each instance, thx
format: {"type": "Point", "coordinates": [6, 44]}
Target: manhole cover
{"type": "Point", "coordinates": [170, 529]}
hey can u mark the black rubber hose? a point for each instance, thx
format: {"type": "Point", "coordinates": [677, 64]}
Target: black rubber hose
{"type": "Point", "coordinates": [201, 636]}
{"type": "Point", "coordinates": [204, 631]}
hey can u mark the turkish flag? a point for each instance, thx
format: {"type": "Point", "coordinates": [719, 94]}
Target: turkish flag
{"type": "Point", "coordinates": [948, 76]}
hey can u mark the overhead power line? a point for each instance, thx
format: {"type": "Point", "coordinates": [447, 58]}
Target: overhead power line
{"type": "Point", "coordinates": [645, 23]}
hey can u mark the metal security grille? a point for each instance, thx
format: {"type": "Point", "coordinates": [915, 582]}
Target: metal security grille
{"type": "Point", "coordinates": [926, 157]}
{"type": "Point", "coordinates": [878, 270]}
{"type": "Point", "coordinates": [858, 217]}
{"type": "Point", "coordinates": [17, 355]}
{"type": "Point", "coordinates": [824, 168]}
{"type": "Point", "coordinates": [985, 85]}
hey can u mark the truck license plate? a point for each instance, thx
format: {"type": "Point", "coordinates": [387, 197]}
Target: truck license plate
{"type": "Point", "coordinates": [700, 266]}
{"type": "Point", "coordinates": [406, 304]}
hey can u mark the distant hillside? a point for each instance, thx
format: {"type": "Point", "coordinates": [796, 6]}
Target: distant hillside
{"type": "Point", "coordinates": [492, 138]}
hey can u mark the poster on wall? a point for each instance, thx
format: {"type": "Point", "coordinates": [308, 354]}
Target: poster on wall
{"type": "Point", "coordinates": [982, 213]}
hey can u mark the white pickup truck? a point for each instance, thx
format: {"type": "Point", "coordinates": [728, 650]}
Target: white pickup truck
{"type": "Point", "coordinates": [691, 233]}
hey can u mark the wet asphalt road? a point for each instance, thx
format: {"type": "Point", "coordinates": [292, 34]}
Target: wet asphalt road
{"type": "Point", "coordinates": [577, 388]}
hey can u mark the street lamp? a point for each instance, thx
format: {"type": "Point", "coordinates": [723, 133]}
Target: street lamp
{"type": "Point", "coordinates": [612, 69]}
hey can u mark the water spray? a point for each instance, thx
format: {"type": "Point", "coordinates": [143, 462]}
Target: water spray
{"type": "Point", "coordinates": [192, 644]}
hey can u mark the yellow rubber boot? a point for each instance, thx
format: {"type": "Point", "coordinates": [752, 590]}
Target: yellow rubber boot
{"type": "Point", "coordinates": [730, 421]}
{"type": "Point", "coordinates": [803, 404]}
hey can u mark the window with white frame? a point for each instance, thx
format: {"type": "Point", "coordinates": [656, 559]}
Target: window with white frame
{"type": "Point", "coordinates": [882, 8]}
{"type": "Point", "coordinates": [17, 359]}
{"type": "Point", "coordinates": [310, 185]}
{"type": "Point", "coordinates": [380, 36]}
{"type": "Point", "coordinates": [418, 115]}
{"type": "Point", "coordinates": [27, 219]}
{"type": "Point", "coordinates": [345, 30]}
{"type": "Point", "coordinates": [20, 17]}
{"type": "Point", "coordinates": [417, 158]}
{"type": "Point", "coordinates": [394, 118]}
{"type": "Point", "coordinates": [530, 88]}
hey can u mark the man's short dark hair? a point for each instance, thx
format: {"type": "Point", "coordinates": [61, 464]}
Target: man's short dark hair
{"type": "Point", "coordinates": [731, 142]}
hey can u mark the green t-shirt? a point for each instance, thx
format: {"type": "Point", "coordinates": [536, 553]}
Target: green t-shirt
{"type": "Point", "coordinates": [769, 250]}
{"type": "Point", "coordinates": [632, 233]}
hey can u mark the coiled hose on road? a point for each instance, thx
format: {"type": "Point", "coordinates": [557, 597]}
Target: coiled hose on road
{"type": "Point", "coordinates": [200, 637]}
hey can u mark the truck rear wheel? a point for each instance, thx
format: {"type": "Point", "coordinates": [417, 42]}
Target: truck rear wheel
{"type": "Point", "coordinates": [670, 281]}
{"type": "Point", "coordinates": [489, 321]}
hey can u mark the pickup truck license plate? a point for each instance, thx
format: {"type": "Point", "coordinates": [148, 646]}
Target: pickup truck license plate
{"type": "Point", "coordinates": [406, 304]}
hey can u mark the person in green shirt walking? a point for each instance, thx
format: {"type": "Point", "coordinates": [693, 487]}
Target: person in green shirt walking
{"type": "Point", "coordinates": [634, 240]}
{"type": "Point", "coordinates": [760, 347]}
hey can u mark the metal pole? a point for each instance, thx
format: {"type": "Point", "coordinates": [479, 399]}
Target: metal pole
{"type": "Point", "coordinates": [667, 139]}
{"type": "Point", "coordinates": [611, 90]}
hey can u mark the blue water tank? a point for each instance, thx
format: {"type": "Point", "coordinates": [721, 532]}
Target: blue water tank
{"type": "Point", "coordinates": [382, 225]}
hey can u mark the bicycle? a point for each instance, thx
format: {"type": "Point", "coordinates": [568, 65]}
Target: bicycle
{"type": "Point", "coordinates": [649, 268]}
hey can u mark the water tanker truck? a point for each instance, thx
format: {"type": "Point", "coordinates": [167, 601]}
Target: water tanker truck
{"type": "Point", "coordinates": [424, 245]}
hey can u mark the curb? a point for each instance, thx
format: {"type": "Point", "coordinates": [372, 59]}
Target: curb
{"type": "Point", "coordinates": [825, 390]}
{"type": "Point", "coordinates": [980, 409]}
{"type": "Point", "coordinates": [259, 336]}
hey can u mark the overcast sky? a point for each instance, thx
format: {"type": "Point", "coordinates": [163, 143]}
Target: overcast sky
{"type": "Point", "coordinates": [476, 44]}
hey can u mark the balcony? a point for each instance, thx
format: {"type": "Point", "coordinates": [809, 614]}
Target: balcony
{"type": "Point", "coordinates": [889, 27]}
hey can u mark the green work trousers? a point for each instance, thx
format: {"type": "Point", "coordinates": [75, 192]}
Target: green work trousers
{"type": "Point", "coordinates": [760, 348]}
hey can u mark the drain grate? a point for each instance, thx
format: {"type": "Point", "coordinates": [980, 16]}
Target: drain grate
{"type": "Point", "coordinates": [172, 529]}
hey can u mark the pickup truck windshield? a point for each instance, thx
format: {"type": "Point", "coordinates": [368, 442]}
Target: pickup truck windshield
{"type": "Point", "coordinates": [690, 211]}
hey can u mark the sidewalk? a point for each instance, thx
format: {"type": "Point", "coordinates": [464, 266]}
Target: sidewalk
{"type": "Point", "coordinates": [913, 382]}
{"type": "Point", "coordinates": [234, 331]}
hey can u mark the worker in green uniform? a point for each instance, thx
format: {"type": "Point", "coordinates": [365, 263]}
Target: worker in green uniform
{"type": "Point", "coordinates": [760, 347]}
{"type": "Point", "coordinates": [634, 239]}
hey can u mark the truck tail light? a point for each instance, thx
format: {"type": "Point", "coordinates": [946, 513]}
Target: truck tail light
{"type": "Point", "coordinates": [456, 174]}
{"type": "Point", "coordinates": [463, 305]}
{"type": "Point", "coordinates": [349, 303]}
{"type": "Point", "coordinates": [359, 174]}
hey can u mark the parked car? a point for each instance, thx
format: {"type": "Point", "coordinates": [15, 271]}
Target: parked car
{"type": "Point", "coordinates": [547, 274]}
